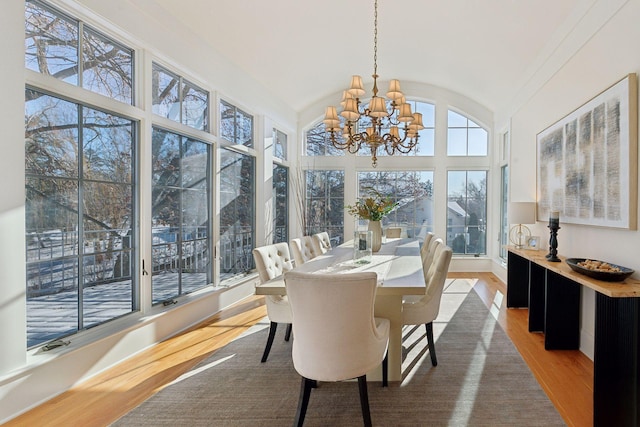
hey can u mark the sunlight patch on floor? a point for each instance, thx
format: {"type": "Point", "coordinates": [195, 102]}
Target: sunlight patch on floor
{"type": "Point", "coordinates": [200, 369]}
{"type": "Point", "coordinates": [414, 338]}
{"type": "Point", "coordinates": [469, 389]}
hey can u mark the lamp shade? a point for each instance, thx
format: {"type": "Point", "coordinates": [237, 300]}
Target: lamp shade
{"type": "Point", "coordinates": [522, 212]}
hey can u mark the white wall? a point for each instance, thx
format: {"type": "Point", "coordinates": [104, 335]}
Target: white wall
{"type": "Point", "coordinates": [12, 258]}
{"type": "Point", "coordinates": [600, 62]}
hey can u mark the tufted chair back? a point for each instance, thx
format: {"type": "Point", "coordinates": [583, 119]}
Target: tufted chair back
{"type": "Point", "coordinates": [303, 249]}
{"type": "Point", "coordinates": [427, 258]}
{"type": "Point", "coordinates": [425, 244]}
{"type": "Point", "coordinates": [321, 242]}
{"type": "Point", "coordinates": [272, 260]}
{"type": "Point", "coordinates": [426, 308]}
{"type": "Point", "coordinates": [336, 334]}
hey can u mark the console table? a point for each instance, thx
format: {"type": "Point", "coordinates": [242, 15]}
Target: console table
{"type": "Point", "coordinates": [551, 292]}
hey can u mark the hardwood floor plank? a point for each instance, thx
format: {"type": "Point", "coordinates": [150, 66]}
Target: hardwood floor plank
{"type": "Point", "coordinates": [566, 376]}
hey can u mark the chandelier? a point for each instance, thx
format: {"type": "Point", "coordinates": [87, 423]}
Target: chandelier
{"type": "Point", "coordinates": [377, 124]}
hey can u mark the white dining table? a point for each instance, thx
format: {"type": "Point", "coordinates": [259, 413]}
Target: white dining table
{"type": "Point", "coordinates": [399, 268]}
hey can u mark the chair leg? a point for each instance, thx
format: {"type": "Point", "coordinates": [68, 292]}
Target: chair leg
{"type": "Point", "coordinates": [432, 345]}
{"type": "Point", "coordinates": [364, 400]}
{"type": "Point", "coordinates": [287, 335]}
{"type": "Point", "coordinates": [272, 333]}
{"type": "Point", "coordinates": [385, 370]}
{"type": "Point", "coordinates": [303, 401]}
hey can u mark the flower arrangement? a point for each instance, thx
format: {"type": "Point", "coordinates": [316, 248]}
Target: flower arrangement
{"type": "Point", "coordinates": [374, 208]}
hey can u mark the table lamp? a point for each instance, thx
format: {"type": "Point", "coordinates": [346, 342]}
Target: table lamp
{"type": "Point", "coordinates": [521, 213]}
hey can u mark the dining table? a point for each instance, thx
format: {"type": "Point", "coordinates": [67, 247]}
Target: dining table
{"type": "Point", "coordinates": [398, 266]}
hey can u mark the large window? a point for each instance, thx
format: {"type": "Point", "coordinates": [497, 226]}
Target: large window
{"type": "Point", "coordinates": [412, 190]}
{"type": "Point", "coordinates": [181, 247]}
{"type": "Point", "coordinates": [465, 137]}
{"type": "Point", "coordinates": [504, 220]}
{"type": "Point", "coordinates": [52, 42]}
{"type": "Point", "coordinates": [80, 198]}
{"type": "Point", "coordinates": [325, 203]}
{"type": "Point", "coordinates": [467, 211]}
{"type": "Point", "coordinates": [177, 99]}
{"type": "Point", "coordinates": [280, 203]}
{"type": "Point", "coordinates": [237, 215]}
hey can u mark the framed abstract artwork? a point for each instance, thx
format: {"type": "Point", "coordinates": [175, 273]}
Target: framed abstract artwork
{"type": "Point", "coordinates": [587, 161]}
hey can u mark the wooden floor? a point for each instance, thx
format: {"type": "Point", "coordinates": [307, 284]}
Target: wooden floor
{"type": "Point", "coordinates": [566, 376]}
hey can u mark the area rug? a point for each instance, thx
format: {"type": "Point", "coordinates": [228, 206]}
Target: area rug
{"type": "Point", "coordinates": [480, 380]}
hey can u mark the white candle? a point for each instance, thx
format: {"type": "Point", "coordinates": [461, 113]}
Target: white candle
{"type": "Point", "coordinates": [554, 215]}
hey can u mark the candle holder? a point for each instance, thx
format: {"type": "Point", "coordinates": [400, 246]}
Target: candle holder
{"type": "Point", "coordinates": [554, 226]}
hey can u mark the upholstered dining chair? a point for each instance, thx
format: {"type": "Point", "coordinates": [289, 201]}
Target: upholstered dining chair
{"type": "Point", "coordinates": [303, 249]}
{"type": "Point", "coordinates": [427, 259]}
{"type": "Point", "coordinates": [337, 336]}
{"type": "Point", "coordinates": [271, 261]}
{"type": "Point", "coordinates": [425, 244]}
{"type": "Point", "coordinates": [393, 232]}
{"type": "Point", "coordinates": [321, 242]}
{"type": "Point", "coordinates": [425, 309]}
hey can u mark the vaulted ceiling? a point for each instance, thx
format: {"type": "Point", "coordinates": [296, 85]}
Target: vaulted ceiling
{"type": "Point", "coordinates": [304, 50]}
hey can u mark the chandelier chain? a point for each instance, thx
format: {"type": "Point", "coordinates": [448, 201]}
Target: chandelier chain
{"type": "Point", "coordinates": [375, 37]}
{"type": "Point", "coordinates": [377, 124]}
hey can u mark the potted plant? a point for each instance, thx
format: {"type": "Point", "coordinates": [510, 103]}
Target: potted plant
{"type": "Point", "coordinates": [373, 208]}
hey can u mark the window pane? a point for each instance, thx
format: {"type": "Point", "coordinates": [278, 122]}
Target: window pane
{"type": "Point", "coordinates": [426, 143]}
{"type": "Point", "coordinates": [428, 112]}
{"type": "Point", "coordinates": [166, 102]}
{"type": "Point", "coordinates": [280, 204]}
{"type": "Point", "coordinates": [51, 43]}
{"type": "Point", "coordinates": [456, 120]}
{"type": "Point", "coordinates": [426, 140]}
{"type": "Point", "coordinates": [237, 214]}
{"type": "Point", "coordinates": [279, 144]}
{"type": "Point", "coordinates": [108, 147]}
{"type": "Point", "coordinates": [195, 107]}
{"type": "Point", "coordinates": [325, 203]}
{"type": "Point", "coordinates": [181, 215]}
{"type": "Point", "coordinates": [51, 48]}
{"type": "Point", "coordinates": [457, 142]}
{"type": "Point", "coordinates": [504, 222]}
{"type": "Point", "coordinates": [478, 141]}
{"type": "Point", "coordinates": [108, 67]}
{"type": "Point", "coordinates": [236, 126]}
{"type": "Point", "coordinates": [319, 144]}
{"type": "Point", "coordinates": [467, 211]}
{"type": "Point", "coordinates": [465, 137]}
{"type": "Point", "coordinates": [77, 168]}
{"type": "Point", "coordinates": [51, 150]}
{"type": "Point", "coordinates": [412, 190]}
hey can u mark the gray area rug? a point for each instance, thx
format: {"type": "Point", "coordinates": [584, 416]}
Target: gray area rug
{"type": "Point", "coordinates": [480, 380]}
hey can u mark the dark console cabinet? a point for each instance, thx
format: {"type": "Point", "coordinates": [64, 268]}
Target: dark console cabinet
{"type": "Point", "coordinates": [551, 292]}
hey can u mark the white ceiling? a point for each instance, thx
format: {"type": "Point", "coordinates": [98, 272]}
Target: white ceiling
{"type": "Point", "coordinates": [304, 50]}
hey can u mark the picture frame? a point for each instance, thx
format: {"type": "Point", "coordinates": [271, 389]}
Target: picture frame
{"type": "Point", "coordinates": [533, 242]}
{"type": "Point", "coordinates": [587, 161]}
